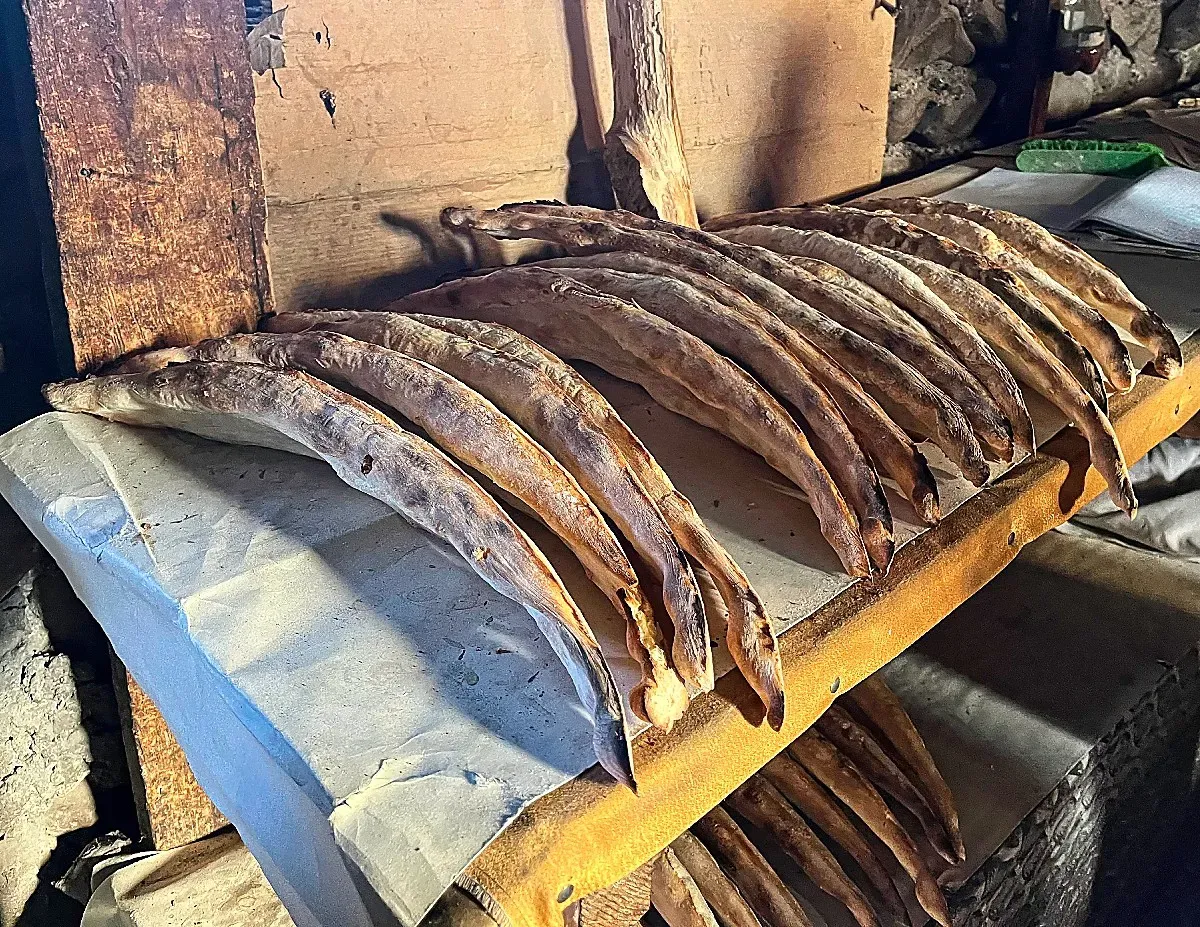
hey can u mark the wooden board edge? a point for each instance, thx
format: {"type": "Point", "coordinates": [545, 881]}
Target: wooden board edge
{"type": "Point", "coordinates": [590, 832]}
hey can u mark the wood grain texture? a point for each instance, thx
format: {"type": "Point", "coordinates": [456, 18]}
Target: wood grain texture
{"type": "Point", "coordinates": [147, 118]}
{"type": "Point", "coordinates": [443, 103]}
{"type": "Point", "coordinates": [644, 147]}
{"type": "Point", "coordinates": [175, 807]}
{"type": "Point", "coordinates": [622, 904]}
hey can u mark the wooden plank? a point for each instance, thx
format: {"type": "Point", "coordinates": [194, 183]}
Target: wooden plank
{"type": "Point", "coordinates": [441, 102]}
{"type": "Point", "coordinates": [147, 118]}
{"type": "Point", "coordinates": [590, 832]}
{"type": "Point", "coordinates": [173, 809]}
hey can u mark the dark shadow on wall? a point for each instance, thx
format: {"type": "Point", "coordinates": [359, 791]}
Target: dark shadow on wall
{"type": "Point", "coordinates": [32, 352]}
{"type": "Point", "coordinates": [588, 183]}
{"type": "Point", "coordinates": [444, 255]}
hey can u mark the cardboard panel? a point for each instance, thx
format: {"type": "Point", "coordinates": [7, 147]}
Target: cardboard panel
{"type": "Point", "coordinates": [386, 112]}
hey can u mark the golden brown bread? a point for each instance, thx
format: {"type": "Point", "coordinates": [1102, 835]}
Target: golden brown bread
{"type": "Point", "coordinates": [252, 404]}
{"type": "Point", "coordinates": [541, 408]}
{"type": "Point", "coordinates": [1088, 326]}
{"type": "Point", "coordinates": [679, 370]}
{"type": "Point", "coordinates": [892, 232]}
{"type": "Point", "coordinates": [760, 803]}
{"type": "Point", "coordinates": [880, 708]}
{"type": "Point", "coordinates": [703, 316]}
{"type": "Point", "coordinates": [753, 875]}
{"type": "Point", "coordinates": [749, 635]}
{"type": "Point", "coordinates": [845, 780]}
{"type": "Point", "coordinates": [468, 427]}
{"type": "Point", "coordinates": [1030, 360]}
{"type": "Point", "coordinates": [905, 302]}
{"type": "Point", "coordinates": [897, 386]}
{"type": "Point", "coordinates": [1094, 283]}
{"type": "Point", "coordinates": [886, 443]}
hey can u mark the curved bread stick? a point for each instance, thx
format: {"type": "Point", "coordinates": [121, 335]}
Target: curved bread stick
{"type": "Point", "coordinates": [911, 346]}
{"type": "Point", "coordinates": [896, 385]}
{"type": "Point", "coordinates": [841, 730]}
{"type": "Point", "coordinates": [709, 320]}
{"type": "Point", "coordinates": [843, 778]}
{"type": "Point", "coordinates": [761, 804]}
{"type": "Point", "coordinates": [1088, 326]}
{"type": "Point", "coordinates": [679, 370]}
{"type": "Point", "coordinates": [1033, 362]}
{"type": "Point", "coordinates": [589, 237]}
{"type": "Point", "coordinates": [675, 894]}
{"type": "Point", "coordinates": [468, 427]}
{"type": "Point", "coordinates": [1075, 269]}
{"type": "Point", "coordinates": [718, 891]}
{"type": "Point", "coordinates": [540, 407]}
{"type": "Point", "coordinates": [830, 273]}
{"type": "Point", "coordinates": [871, 228]}
{"type": "Point", "coordinates": [799, 788]}
{"type": "Point", "coordinates": [749, 635]}
{"type": "Point", "coordinates": [753, 875]}
{"type": "Point", "coordinates": [906, 301]}
{"type": "Point", "coordinates": [885, 441]}
{"type": "Point", "coordinates": [878, 705]}
{"type": "Point", "coordinates": [250, 404]}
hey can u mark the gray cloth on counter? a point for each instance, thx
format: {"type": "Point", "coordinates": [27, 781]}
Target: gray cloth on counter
{"type": "Point", "coordinates": [1167, 481]}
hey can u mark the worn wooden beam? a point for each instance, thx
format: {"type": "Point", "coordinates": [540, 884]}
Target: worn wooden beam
{"type": "Point", "coordinates": [148, 138]}
{"type": "Point", "coordinates": [644, 147]}
{"type": "Point", "coordinates": [621, 904]}
{"type": "Point", "coordinates": [172, 808]}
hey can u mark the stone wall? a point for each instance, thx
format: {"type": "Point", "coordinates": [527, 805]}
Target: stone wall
{"type": "Point", "coordinates": [951, 58]}
{"type": "Point", "coordinates": [63, 779]}
{"type": "Point", "coordinates": [1155, 47]}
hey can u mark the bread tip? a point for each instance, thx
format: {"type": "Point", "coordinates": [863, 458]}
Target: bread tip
{"type": "Point", "coordinates": [1168, 367]}
{"type": "Point", "coordinates": [1125, 498]}
{"type": "Point", "coordinates": [613, 751]}
{"type": "Point", "coordinates": [929, 509]}
{"type": "Point", "coordinates": [706, 679]}
{"type": "Point", "coordinates": [775, 710]}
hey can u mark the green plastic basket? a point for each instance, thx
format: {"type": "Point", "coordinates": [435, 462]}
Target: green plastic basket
{"type": "Point", "coordinates": [1089, 156]}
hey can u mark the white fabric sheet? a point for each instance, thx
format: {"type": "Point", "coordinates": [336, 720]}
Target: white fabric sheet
{"type": "Point", "coordinates": [363, 708]}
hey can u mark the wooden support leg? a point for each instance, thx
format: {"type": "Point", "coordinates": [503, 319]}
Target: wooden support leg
{"type": "Point", "coordinates": [644, 147]}
{"type": "Point", "coordinates": [147, 118]}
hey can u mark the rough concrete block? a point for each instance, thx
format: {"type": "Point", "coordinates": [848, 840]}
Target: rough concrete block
{"type": "Point", "coordinates": [929, 31]}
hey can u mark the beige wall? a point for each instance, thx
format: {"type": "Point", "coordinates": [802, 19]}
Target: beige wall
{"type": "Point", "coordinates": [448, 102]}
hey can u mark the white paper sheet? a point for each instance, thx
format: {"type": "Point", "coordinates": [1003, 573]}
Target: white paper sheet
{"type": "Point", "coordinates": [1162, 207]}
{"type": "Point", "coordinates": [361, 706]}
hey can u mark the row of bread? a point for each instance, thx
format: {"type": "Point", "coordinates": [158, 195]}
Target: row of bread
{"type": "Point", "coordinates": [829, 341]}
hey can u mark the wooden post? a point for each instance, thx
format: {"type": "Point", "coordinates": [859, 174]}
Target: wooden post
{"type": "Point", "coordinates": [621, 904]}
{"type": "Point", "coordinates": [644, 147]}
{"type": "Point", "coordinates": [147, 118]}
{"type": "Point", "coordinates": [146, 109]}
{"type": "Point", "coordinates": [172, 808]}
{"type": "Point", "coordinates": [1024, 106]}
